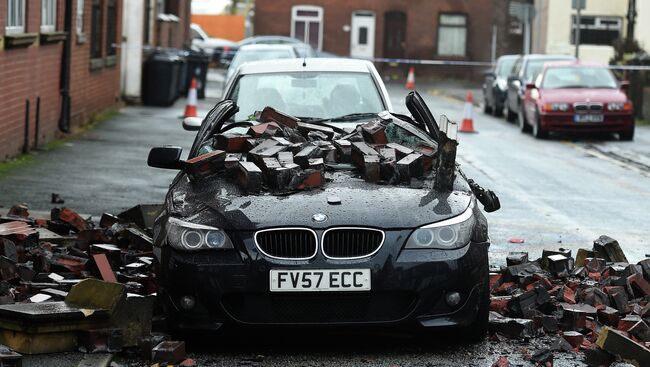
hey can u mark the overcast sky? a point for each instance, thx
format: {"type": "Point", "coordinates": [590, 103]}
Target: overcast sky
{"type": "Point", "coordinates": [208, 6]}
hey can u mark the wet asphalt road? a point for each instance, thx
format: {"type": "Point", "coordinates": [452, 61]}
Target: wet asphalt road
{"type": "Point", "coordinates": [562, 192]}
{"type": "Point", "coordinates": [553, 193]}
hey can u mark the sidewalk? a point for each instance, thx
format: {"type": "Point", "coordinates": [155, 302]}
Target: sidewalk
{"type": "Point", "coordinates": [106, 168]}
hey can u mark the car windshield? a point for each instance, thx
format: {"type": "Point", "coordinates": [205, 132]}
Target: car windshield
{"type": "Point", "coordinates": [244, 56]}
{"type": "Point", "coordinates": [505, 67]}
{"type": "Point", "coordinates": [308, 95]}
{"type": "Point", "coordinates": [535, 67]}
{"type": "Point", "coordinates": [582, 77]}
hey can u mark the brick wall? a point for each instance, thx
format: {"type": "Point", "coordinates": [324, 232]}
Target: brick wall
{"type": "Point", "coordinates": [274, 17]}
{"type": "Point", "coordinates": [34, 71]}
{"type": "Point", "coordinates": [174, 34]}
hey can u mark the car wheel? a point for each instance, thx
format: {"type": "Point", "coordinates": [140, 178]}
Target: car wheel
{"type": "Point", "coordinates": [510, 116]}
{"type": "Point", "coordinates": [487, 109]}
{"type": "Point", "coordinates": [627, 135]}
{"type": "Point", "coordinates": [497, 110]}
{"type": "Point", "coordinates": [538, 131]}
{"type": "Point", "coordinates": [521, 118]}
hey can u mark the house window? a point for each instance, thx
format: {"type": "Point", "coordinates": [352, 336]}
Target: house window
{"type": "Point", "coordinates": [111, 27]}
{"type": "Point", "coordinates": [363, 36]}
{"type": "Point", "coordinates": [452, 34]}
{"type": "Point", "coordinates": [307, 25]}
{"type": "Point", "coordinates": [96, 30]}
{"type": "Point", "coordinates": [15, 17]}
{"type": "Point", "coordinates": [80, 17]}
{"type": "Point", "coordinates": [597, 30]}
{"type": "Point", "coordinates": [161, 6]}
{"type": "Point", "coordinates": [48, 15]}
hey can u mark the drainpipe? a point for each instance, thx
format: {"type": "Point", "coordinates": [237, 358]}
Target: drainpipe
{"type": "Point", "coordinates": [64, 119]}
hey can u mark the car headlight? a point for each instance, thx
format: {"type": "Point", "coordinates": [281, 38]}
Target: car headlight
{"type": "Point", "coordinates": [554, 107]}
{"type": "Point", "coordinates": [449, 234]}
{"type": "Point", "coordinates": [187, 236]}
{"type": "Point", "coordinates": [619, 106]}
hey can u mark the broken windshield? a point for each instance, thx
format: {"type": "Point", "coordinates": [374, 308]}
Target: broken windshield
{"type": "Point", "coordinates": [310, 95]}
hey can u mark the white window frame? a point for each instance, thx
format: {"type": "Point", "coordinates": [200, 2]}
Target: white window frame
{"type": "Point", "coordinates": [307, 19]}
{"type": "Point", "coordinates": [452, 26]}
{"type": "Point", "coordinates": [15, 19]}
{"type": "Point", "coordinates": [79, 21]}
{"type": "Point", "coordinates": [48, 15]}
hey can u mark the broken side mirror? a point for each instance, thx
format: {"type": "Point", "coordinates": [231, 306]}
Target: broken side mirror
{"type": "Point", "coordinates": [168, 157]}
{"type": "Point", "coordinates": [192, 123]}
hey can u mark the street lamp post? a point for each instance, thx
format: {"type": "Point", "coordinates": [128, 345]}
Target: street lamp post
{"type": "Point", "coordinates": [578, 5]}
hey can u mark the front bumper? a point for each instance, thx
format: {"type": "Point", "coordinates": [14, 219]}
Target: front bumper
{"type": "Point", "coordinates": [408, 287]}
{"type": "Point", "coordinates": [563, 122]}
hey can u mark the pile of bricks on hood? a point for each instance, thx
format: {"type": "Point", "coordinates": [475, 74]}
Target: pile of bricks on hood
{"type": "Point", "coordinates": [283, 154]}
{"type": "Point", "coordinates": [596, 304]}
{"type": "Point", "coordinates": [44, 257]}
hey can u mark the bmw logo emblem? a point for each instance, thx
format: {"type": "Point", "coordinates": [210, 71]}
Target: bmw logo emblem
{"type": "Point", "coordinates": [320, 217]}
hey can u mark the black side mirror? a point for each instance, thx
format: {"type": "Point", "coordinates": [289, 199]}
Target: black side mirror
{"type": "Point", "coordinates": [489, 74]}
{"type": "Point", "coordinates": [168, 157]}
{"type": "Point", "coordinates": [624, 85]}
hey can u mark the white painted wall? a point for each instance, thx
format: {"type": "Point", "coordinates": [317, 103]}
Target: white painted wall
{"type": "Point", "coordinates": [642, 26]}
{"type": "Point", "coordinates": [132, 42]}
{"type": "Point", "coordinates": [209, 6]}
{"type": "Point", "coordinates": [557, 30]}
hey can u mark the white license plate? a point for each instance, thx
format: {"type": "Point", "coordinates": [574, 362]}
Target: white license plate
{"type": "Point", "coordinates": [588, 118]}
{"type": "Point", "coordinates": [320, 280]}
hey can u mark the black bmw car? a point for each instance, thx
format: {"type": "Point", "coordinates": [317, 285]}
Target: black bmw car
{"type": "Point", "coordinates": [253, 234]}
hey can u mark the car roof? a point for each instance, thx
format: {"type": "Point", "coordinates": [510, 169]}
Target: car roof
{"type": "Point", "coordinates": [263, 47]}
{"type": "Point", "coordinates": [503, 57]}
{"type": "Point", "coordinates": [542, 56]}
{"type": "Point", "coordinates": [310, 64]}
{"type": "Point", "coordinates": [261, 39]}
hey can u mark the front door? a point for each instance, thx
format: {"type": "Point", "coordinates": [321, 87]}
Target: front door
{"type": "Point", "coordinates": [362, 35]}
{"type": "Point", "coordinates": [307, 25]}
{"type": "Point", "coordinates": [395, 34]}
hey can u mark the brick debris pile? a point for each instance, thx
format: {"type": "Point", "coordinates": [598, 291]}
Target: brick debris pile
{"type": "Point", "coordinates": [283, 154]}
{"type": "Point", "coordinates": [67, 284]}
{"type": "Point", "coordinates": [597, 304]}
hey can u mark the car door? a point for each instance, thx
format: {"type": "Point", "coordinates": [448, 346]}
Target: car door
{"type": "Point", "coordinates": [513, 85]}
{"type": "Point", "coordinates": [488, 83]}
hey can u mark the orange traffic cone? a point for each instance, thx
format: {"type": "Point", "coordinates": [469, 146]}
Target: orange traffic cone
{"type": "Point", "coordinates": [190, 108]}
{"type": "Point", "coordinates": [410, 79]}
{"type": "Point", "coordinates": [467, 126]}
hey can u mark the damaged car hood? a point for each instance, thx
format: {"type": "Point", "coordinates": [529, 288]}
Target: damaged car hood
{"type": "Point", "coordinates": [344, 201]}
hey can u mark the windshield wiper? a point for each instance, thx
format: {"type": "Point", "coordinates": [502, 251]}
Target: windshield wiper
{"type": "Point", "coordinates": [321, 122]}
{"type": "Point", "coordinates": [354, 116]}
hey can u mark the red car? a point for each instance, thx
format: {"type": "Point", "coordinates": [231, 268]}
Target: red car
{"type": "Point", "coordinates": [573, 97]}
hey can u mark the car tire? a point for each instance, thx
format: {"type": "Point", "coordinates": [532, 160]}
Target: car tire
{"type": "Point", "coordinates": [510, 116]}
{"type": "Point", "coordinates": [521, 119]}
{"type": "Point", "coordinates": [538, 131]}
{"type": "Point", "coordinates": [627, 135]}
{"type": "Point", "coordinates": [487, 109]}
{"type": "Point", "coordinates": [497, 110]}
